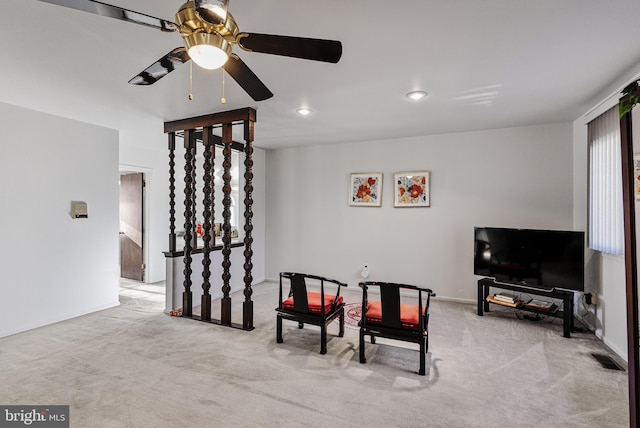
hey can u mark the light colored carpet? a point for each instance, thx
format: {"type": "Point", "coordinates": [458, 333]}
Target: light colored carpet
{"type": "Point", "coordinates": [133, 366]}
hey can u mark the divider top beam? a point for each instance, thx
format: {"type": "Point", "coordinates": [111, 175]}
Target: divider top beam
{"type": "Point", "coordinates": [246, 114]}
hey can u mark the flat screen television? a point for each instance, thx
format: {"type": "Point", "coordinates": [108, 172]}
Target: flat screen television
{"type": "Point", "coordinates": [545, 259]}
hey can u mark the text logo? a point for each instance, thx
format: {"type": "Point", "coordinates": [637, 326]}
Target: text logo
{"type": "Point", "coordinates": [34, 416]}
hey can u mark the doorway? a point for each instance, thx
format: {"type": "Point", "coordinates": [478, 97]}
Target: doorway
{"type": "Point", "coordinates": [131, 226]}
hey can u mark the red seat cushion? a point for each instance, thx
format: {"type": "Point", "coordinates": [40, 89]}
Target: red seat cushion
{"type": "Point", "coordinates": [314, 302]}
{"type": "Point", "coordinates": [409, 315]}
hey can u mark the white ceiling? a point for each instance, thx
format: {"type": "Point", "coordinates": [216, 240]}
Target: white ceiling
{"type": "Point", "coordinates": [485, 63]}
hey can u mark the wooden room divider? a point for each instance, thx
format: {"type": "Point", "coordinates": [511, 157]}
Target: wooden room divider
{"type": "Point", "coordinates": [200, 131]}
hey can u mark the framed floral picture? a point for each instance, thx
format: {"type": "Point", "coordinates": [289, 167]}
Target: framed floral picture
{"type": "Point", "coordinates": [411, 189]}
{"type": "Point", "coordinates": [365, 189]}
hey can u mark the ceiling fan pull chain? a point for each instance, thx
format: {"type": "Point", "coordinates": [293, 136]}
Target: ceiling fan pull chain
{"type": "Point", "coordinates": [190, 80]}
{"type": "Point", "coordinates": [223, 100]}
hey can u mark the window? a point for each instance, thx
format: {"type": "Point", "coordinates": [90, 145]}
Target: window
{"type": "Point", "coordinates": [605, 184]}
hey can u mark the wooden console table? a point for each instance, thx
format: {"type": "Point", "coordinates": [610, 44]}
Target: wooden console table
{"type": "Point", "coordinates": [566, 296]}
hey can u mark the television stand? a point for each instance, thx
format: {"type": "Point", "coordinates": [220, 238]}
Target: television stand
{"type": "Point", "coordinates": [566, 313]}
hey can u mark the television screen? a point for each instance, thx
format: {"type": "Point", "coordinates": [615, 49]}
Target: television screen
{"type": "Point", "coordinates": [538, 258]}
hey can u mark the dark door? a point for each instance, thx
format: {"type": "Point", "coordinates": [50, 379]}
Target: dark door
{"type": "Point", "coordinates": [131, 261]}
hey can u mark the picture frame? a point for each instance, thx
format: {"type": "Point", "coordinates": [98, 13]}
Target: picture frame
{"type": "Point", "coordinates": [365, 189]}
{"type": "Point", "coordinates": [412, 189]}
{"type": "Point", "coordinates": [636, 175]}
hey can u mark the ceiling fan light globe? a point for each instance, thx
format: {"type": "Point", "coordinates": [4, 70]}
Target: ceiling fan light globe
{"type": "Point", "coordinates": [207, 50]}
{"type": "Point", "coordinates": [208, 57]}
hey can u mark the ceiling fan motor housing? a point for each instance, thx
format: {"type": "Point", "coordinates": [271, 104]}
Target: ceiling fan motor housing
{"type": "Point", "coordinates": [189, 22]}
{"type": "Point", "coordinates": [212, 11]}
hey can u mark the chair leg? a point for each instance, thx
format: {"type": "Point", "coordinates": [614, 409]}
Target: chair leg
{"type": "Point", "coordinates": [423, 353]}
{"type": "Point", "coordinates": [279, 329]}
{"type": "Point", "coordinates": [373, 339]}
{"type": "Point", "coordinates": [323, 339]}
{"type": "Point", "coordinates": [300, 325]}
{"type": "Point", "coordinates": [341, 320]}
{"type": "Point", "coordinates": [362, 357]}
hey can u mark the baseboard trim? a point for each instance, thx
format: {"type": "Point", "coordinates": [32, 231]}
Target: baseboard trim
{"type": "Point", "coordinates": [455, 300]}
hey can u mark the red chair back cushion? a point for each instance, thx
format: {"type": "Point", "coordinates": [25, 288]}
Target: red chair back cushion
{"type": "Point", "coordinates": [314, 302]}
{"type": "Point", "coordinates": [409, 315]}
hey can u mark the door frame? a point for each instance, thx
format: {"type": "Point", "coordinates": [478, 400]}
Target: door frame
{"type": "Point", "coordinates": [146, 177]}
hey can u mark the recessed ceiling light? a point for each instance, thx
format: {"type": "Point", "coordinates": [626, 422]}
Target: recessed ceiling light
{"type": "Point", "coordinates": [416, 95]}
{"type": "Point", "coordinates": [304, 111]}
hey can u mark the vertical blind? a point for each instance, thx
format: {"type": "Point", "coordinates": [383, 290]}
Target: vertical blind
{"type": "Point", "coordinates": [605, 184]}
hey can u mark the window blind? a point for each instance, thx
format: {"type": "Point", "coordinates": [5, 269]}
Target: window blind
{"type": "Point", "coordinates": [606, 231]}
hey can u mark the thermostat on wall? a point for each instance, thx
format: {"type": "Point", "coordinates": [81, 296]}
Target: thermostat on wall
{"type": "Point", "coordinates": [79, 209]}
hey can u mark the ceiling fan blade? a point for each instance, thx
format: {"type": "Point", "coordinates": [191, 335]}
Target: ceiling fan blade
{"type": "Point", "coordinates": [161, 67]}
{"type": "Point", "coordinates": [116, 12]}
{"type": "Point", "coordinates": [296, 47]}
{"type": "Point", "coordinates": [243, 75]}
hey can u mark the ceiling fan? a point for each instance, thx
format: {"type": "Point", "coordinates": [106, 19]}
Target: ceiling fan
{"type": "Point", "coordinates": [209, 32]}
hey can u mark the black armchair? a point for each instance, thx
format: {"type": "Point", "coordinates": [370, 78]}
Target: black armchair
{"type": "Point", "coordinates": [392, 319]}
{"type": "Point", "coordinates": [310, 307]}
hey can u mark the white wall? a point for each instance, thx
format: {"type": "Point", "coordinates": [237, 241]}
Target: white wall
{"type": "Point", "coordinates": [517, 177]}
{"type": "Point", "coordinates": [145, 150]}
{"type": "Point", "coordinates": [55, 267]}
{"type": "Point", "coordinates": [611, 304]}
